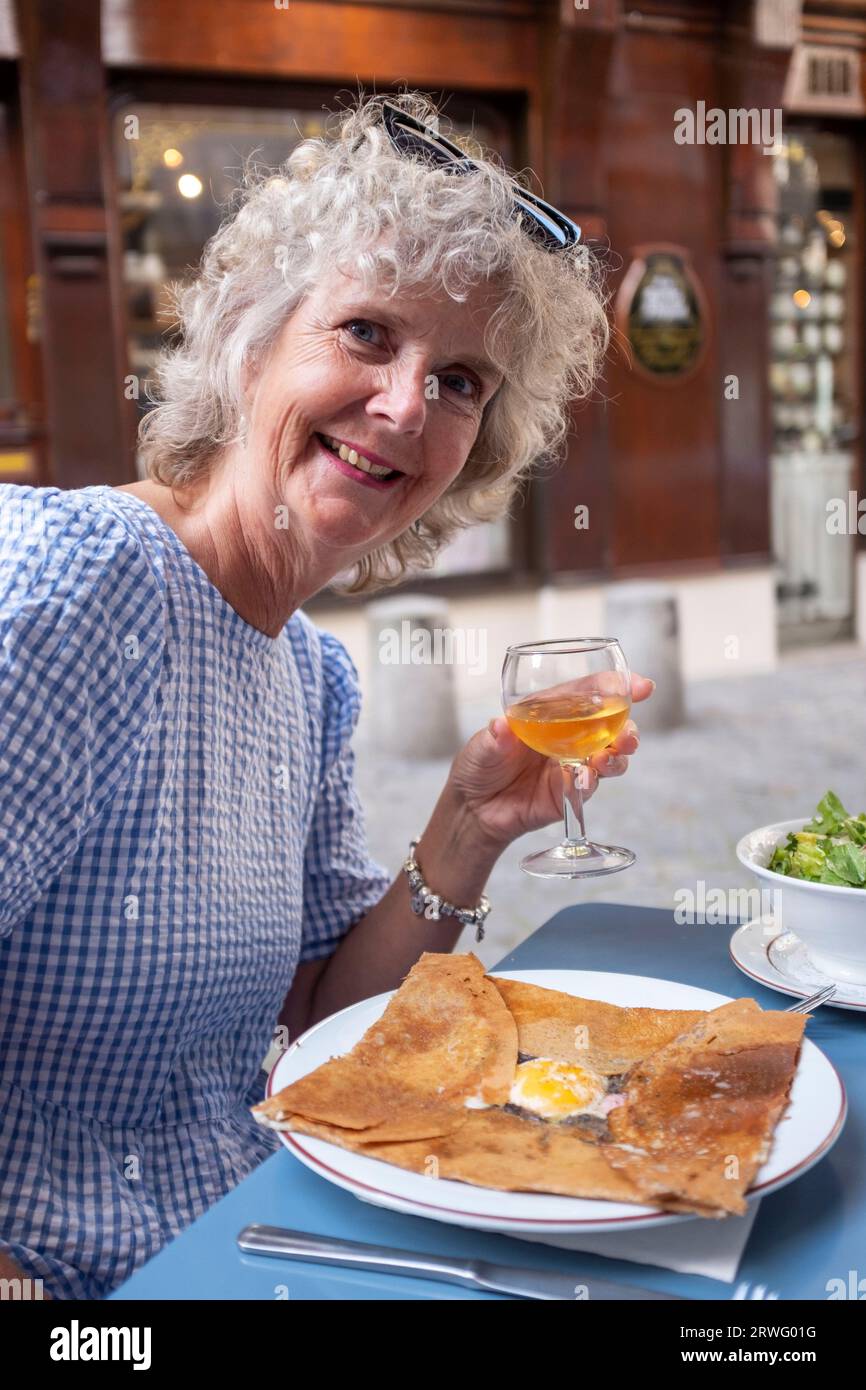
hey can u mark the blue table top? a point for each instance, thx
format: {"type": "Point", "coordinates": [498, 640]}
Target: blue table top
{"type": "Point", "coordinates": [806, 1234]}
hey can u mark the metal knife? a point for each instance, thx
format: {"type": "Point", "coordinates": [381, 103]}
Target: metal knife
{"type": "Point", "coordinates": [473, 1274]}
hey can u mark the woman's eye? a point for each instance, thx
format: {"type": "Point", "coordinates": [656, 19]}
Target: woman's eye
{"type": "Point", "coordinates": [463, 385]}
{"type": "Point", "coordinates": [364, 331]}
{"type": "Point", "coordinates": [365, 326]}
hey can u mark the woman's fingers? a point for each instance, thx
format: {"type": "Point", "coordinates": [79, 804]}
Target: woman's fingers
{"type": "Point", "coordinates": [610, 764]}
{"type": "Point", "coordinates": [592, 781]}
{"type": "Point", "coordinates": [589, 782]}
{"type": "Point", "coordinates": [627, 740]}
{"type": "Point", "coordinates": [613, 760]}
{"type": "Point", "coordinates": [641, 687]}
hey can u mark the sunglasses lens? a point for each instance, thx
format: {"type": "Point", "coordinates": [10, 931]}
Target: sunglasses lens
{"type": "Point", "coordinates": [553, 229]}
{"type": "Point", "coordinates": [419, 139]}
{"type": "Point", "coordinates": [539, 222]}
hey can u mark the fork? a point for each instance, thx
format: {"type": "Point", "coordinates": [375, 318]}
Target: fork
{"type": "Point", "coordinates": [755, 1292]}
{"type": "Point", "coordinates": [805, 1006]}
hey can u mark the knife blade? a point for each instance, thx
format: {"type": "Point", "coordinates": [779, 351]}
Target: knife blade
{"type": "Point", "coordinates": [476, 1274]}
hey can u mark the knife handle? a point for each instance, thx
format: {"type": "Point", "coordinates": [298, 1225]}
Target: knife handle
{"type": "Point", "coordinates": [473, 1274]}
{"type": "Point", "coordinates": [351, 1254]}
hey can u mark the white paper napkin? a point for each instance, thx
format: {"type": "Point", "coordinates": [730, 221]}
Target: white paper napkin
{"type": "Point", "coordinates": [700, 1246]}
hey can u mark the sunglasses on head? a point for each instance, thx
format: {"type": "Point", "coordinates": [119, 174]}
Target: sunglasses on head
{"type": "Point", "coordinates": [546, 224]}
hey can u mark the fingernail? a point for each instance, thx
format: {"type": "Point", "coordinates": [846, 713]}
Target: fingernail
{"type": "Point", "coordinates": [491, 727]}
{"type": "Point", "coordinates": [653, 684]}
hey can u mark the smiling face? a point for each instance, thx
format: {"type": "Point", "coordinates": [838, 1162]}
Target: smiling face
{"type": "Point", "coordinates": [399, 383]}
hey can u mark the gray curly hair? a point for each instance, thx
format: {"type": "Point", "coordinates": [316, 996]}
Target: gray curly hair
{"type": "Point", "coordinates": [350, 199]}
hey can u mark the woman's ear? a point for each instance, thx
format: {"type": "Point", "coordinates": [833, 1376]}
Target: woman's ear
{"type": "Point", "coordinates": [247, 380]}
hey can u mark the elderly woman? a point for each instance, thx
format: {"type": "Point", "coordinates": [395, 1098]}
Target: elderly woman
{"type": "Point", "coordinates": [376, 348]}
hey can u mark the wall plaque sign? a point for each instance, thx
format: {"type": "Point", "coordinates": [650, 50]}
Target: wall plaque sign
{"type": "Point", "coordinates": [661, 310]}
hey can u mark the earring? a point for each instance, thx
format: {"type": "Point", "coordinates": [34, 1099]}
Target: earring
{"type": "Point", "coordinates": [242, 429]}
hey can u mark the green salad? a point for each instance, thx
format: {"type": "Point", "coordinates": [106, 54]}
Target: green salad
{"type": "Point", "coordinates": [831, 847]}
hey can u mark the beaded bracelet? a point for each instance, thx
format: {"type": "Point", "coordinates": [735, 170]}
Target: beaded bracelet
{"type": "Point", "coordinates": [426, 903]}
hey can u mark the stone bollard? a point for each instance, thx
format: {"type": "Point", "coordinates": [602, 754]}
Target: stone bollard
{"type": "Point", "coordinates": [413, 705]}
{"type": "Point", "coordinates": [643, 617]}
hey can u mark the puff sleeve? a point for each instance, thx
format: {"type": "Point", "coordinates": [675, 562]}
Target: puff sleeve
{"type": "Point", "coordinates": [81, 642]}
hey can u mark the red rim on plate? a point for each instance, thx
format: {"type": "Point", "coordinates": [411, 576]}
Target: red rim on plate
{"type": "Point", "coordinates": [294, 1142]}
{"type": "Point", "coordinates": [796, 991]}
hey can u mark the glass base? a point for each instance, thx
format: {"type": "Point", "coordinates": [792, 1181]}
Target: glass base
{"type": "Point", "coordinates": [577, 861]}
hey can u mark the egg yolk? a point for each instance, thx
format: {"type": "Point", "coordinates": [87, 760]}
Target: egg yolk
{"type": "Point", "coordinates": [555, 1089]}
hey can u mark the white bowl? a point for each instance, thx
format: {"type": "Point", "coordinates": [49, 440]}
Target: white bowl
{"type": "Point", "coordinates": [829, 920]}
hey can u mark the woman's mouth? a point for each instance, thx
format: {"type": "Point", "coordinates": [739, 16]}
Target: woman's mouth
{"type": "Point", "coordinates": [356, 466]}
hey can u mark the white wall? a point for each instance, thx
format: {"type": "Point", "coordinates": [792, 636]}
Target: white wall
{"type": "Point", "coordinates": [860, 597]}
{"type": "Point", "coordinates": [713, 610]}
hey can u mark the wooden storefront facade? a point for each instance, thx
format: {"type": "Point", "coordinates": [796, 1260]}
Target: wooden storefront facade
{"type": "Point", "coordinates": [674, 473]}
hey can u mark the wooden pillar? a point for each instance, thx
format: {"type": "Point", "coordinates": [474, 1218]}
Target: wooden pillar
{"type": "Point", "coordinates": [68, 178]}
{"type": "Point", "coordinates": [576, 54]}
{"type": "Point", "coordinates": [754, 64]}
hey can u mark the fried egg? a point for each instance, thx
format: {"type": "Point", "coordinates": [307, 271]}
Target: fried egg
{"type": "Point", "coordinates": [557, 1090]}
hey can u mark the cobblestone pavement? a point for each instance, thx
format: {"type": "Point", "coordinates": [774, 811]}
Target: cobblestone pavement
{"type": "Point", "coordinates": [753, 750]}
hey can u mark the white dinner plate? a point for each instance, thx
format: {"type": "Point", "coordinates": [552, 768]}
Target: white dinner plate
{"type": "Point", "coordinates": [808, 1129]}
{"type": "Point", "coordinates": [780, 960]}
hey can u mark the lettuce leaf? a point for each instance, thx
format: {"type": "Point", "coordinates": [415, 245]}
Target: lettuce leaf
{"type": "Point", "coordinates": [829, 816]}
{"type": "Point", "coordinates": [849, 863]}
{"type": "Point", "coordinates": [831, 847]}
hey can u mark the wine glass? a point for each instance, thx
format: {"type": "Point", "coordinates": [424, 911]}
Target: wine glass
{"type": "Point", "coordinates": [568, 699]}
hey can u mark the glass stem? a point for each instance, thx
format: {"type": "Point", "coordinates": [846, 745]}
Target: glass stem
{"type": "Point", "coordinates": [572, 804]}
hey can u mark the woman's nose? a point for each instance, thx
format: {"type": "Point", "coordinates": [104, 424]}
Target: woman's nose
{"type": "Point", "coordinates": [404, 398]}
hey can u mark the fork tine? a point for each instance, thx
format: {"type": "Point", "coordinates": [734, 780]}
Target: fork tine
{"type": "Point", "coordinates": [804, 1006]}
{"type": "Point", "coordinates": [758, 1293]}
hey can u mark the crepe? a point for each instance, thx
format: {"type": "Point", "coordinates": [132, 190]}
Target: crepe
{"type": "Point", "coordinates": [700, 1112]}
{"type": "Point", "coordinates": [605, 1037]}
{"type": "Point", "coordinates": [495, 1148]}
{"type": "Point", "coordinates": [697, 1093]}
{"type": "Point", "coordinates": [446, 1035]}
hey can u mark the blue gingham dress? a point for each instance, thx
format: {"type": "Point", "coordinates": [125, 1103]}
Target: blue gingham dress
{"type": "Point", "coordinates": [179, 830]}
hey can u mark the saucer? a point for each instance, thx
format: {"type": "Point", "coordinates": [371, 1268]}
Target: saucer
{"type": "Point", "coordinates": [779, 960]}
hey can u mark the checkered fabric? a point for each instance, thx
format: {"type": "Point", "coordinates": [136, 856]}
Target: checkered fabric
{"type": "Point", "coordinates": [179, 829]}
